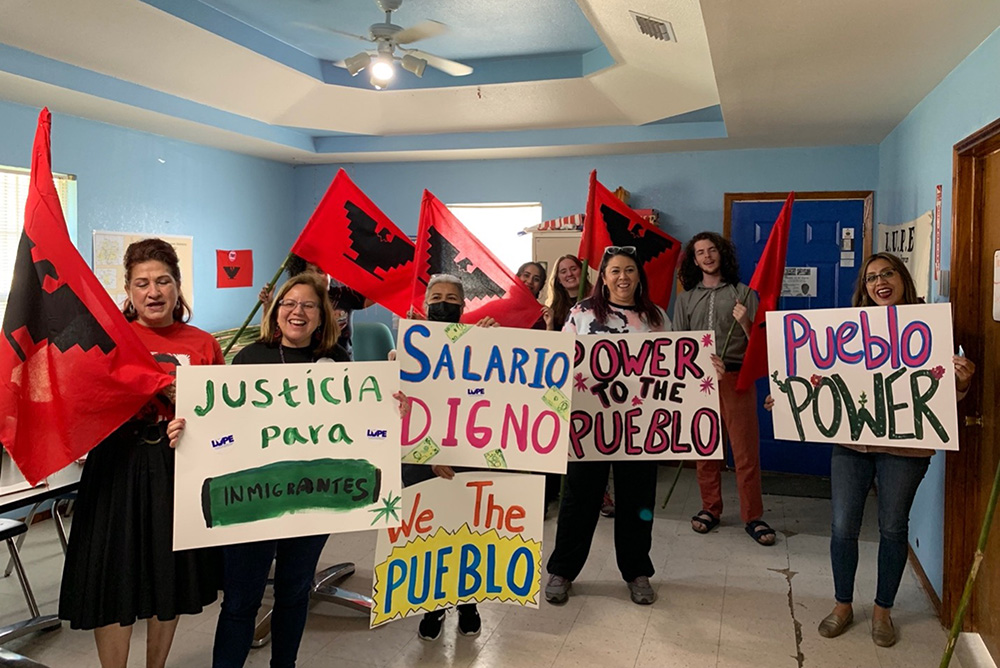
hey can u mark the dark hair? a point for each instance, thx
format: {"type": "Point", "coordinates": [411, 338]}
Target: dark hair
{"type": "Point", "coordinates": [326, 334]}
{"type": "Point", "coordinates": [560, 300]}
{"type": "Point", "coordinates": [541, 270]}
{"type": "Point", "coordinates": [861, 296]}
{"type": "Point", "coordinates": [149, 250]}
{"type": "Point", "coordinates": [644, 306]}
{"type": "Point", "coordinates": [295, 265]}
{"type": "Point", "coordinates": [690, 275]}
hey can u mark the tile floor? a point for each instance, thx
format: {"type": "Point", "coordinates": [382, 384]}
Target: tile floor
{"type": "Point", "coordinates": [723, 602]}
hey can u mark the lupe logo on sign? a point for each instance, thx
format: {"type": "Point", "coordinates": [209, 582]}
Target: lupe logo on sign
{"type": "Point", "coordinates": [225, 440]}
{"type": "Point", "coordinates": [377, 433]}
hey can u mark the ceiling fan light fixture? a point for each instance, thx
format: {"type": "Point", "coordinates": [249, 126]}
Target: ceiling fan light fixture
{"type": "Point", "coordinates": [356, 63]}
{"type": "Point", "coordinates": [382, 69]}
{"type": "Point", "coordinates": [413, 64]}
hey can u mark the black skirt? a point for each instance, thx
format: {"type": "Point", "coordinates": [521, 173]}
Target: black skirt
{"type": "Point", "coordinates": [120, 564]}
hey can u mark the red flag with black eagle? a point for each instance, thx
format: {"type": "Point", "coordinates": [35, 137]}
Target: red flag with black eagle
{"type": "Point", "coordinates": [71, 368]}
{"type": "Point", "coordinates": [610, 222]}
{"type": "Point", "coordinates": [445, 246]}
{"type": "Point", "coordinates": [234, 269]}
{"type": "Point", "coordinates": [349, 238]}
{"type": "Point", "coordinates": [767, 279]}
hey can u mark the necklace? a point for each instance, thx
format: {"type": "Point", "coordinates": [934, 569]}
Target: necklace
{"type": "Point", "coordinates": [281, 352]}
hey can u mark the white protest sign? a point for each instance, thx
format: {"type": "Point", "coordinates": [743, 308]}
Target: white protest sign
{"type": "Point", "coordinates": [645, 396]}
{"type": "Point", "coordinates": [475, 538]}
{"type": "Point", "coordinates": [485, 397]}
{"type": "Point", "coordinates": [873, 376]}
{"type": "Point", "coordinates": [275, 451]}
{"type": "Point", "coordinates": [911, 243]}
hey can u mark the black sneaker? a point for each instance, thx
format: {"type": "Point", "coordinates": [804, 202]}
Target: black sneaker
{"type": "Point", "coordinates": [430, 625]}
{"type": "Point", "coordinates": [469, 622]}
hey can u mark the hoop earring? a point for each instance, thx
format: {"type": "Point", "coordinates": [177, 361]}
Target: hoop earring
{"type": "Point", "coordinates": [607, 292]}
{"type": "Point", "coordinates": [638, 289]}
{"type": "Point", "coordinates": [129, 309]}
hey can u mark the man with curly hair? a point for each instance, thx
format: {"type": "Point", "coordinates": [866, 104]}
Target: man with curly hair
{"type": "Point", "coordinates": [713, 299]}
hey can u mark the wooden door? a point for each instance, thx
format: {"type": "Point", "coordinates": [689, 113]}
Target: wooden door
{"type": "Point", "coordinates": [969, 472]}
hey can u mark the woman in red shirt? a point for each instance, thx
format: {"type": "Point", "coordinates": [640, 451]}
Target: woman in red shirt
{"type": "Point", "coordinates": [120, 564]}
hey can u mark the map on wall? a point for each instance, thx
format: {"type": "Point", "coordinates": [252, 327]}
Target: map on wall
{"type": "Point", "coordinates": [109, 249]}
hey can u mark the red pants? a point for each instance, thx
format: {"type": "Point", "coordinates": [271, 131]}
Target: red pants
{"type": "Point", "coordinates": [739, 414]}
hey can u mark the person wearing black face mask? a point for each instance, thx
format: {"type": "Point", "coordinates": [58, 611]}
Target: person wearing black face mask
{"type": "Point", "coordinates": [444, 312]}
{"type": "Point", "coordinates": [444, 301]}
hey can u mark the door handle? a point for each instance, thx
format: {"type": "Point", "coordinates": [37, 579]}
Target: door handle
{"type": "Point", "coordinates": [974, 421]}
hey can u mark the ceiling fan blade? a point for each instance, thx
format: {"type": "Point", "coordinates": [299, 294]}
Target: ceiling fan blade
{"type": "Point", "coordinates": [452, 67]}
{"type": "Point", "coordinates": [316, 28]}
{"type": "Point", "coordinates": [422, 30]}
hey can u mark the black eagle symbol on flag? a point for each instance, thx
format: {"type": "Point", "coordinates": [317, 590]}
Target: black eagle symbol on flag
{"type": "Point", "coordinates": [57, 316]}
{"type": "Point", "coordinates": [648, 245]}
{"type": "Point", "coordinates": [442, 258]}
{"type": "Point", "coordinates": [375, 249]}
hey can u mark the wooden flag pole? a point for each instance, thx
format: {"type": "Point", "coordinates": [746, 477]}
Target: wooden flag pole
{"type": "Point", "coordinates": [730, 335]}
{"type": "Point", "coordinates": [581, 289]}
{"type": "Point", "coordinates": [256, 307]}
{"type": "Point", "coordinates": [677, 476]}
{"type": "Point", "coordinates": [984, 534]}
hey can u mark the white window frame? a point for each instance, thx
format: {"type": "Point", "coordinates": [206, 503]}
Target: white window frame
{"type": "Point", "coordinates": [14, 183]}
{"type": "Point", "coordinates": [500, 225]}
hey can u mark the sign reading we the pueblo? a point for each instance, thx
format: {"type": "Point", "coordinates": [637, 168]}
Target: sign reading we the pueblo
{"type": "Point", "coordinates": [872, 376]}
{"type": "Point", "coordinates": [645, 396]}
{"type": "Point", "coordinates": [485, 397]}
{"type": "Point", "coordinates": [475, 538]}
{"type": "Point", "coordinates": [276, 451]}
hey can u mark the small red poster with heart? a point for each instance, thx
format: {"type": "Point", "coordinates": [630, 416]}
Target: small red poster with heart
{"type": "Point", "coordinates": [234, 269]}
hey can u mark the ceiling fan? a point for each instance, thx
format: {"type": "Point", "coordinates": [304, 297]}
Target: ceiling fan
{"type": "Point", "coordinates": [389, 38]}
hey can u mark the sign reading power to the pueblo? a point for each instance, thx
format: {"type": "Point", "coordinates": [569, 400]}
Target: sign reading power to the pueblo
{"type": "Point", "coordinates": [645, 396]}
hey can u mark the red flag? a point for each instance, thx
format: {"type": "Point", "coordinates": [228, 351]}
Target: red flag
{"type": "Point", "coordinates": [234, 269]}
{"type": "Point", "coordinates": [610, 222]}
{"type": "Point", "coordinates": [445, 246]}
{"type": "Point", "coordinates": [349, 238]}
{"type": "Point", "coordinates": [71, 368]}
{"type": "Point", "coordinates": [767, 279]}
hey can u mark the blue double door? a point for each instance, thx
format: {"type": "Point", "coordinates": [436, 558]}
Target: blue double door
{"type": "Point", "coordinates": [827, 246]}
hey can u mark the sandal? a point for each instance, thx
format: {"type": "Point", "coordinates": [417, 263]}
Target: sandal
{"type": "Point", "coordinates": [759, 531]}
{"type": "Point", "coordinates": [706, 519]}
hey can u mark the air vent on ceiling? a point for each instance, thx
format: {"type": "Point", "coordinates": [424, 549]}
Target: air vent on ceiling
{"type": "Point", "coordinates": [653, 27]}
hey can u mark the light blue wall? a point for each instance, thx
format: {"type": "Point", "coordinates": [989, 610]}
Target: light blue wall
{"type": "Point", "coordinates": [687, 188]}
{"type": "Point", "coordinates": [223, 199]}
{"type": "Point", "coordinates": [913, 160]}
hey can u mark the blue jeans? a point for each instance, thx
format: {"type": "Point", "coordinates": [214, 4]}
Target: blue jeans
{"type": "Point", "coordinates": [244, 576]}
{"type": "Point", "coordinates": [851, 476]}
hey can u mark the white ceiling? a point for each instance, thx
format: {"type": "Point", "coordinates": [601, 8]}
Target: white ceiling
{"type": "Point", "coordinates": [785, 72]}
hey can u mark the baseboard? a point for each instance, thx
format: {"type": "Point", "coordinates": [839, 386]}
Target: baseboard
{"type": "Point", "coordinates": [972, 653]}
{"type": "Point", "coordinates": [924, 581]}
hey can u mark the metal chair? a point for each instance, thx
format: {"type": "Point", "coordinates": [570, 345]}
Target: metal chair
{"type": "Point", "coordinates": [57, 503]}
{"type": "Point", "coordinates": [9, 529]}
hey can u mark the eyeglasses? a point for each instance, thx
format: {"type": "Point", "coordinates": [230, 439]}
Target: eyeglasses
{"type": "Point", "coordinates": [291, 304]}
{"type": "Point", "coordinates": [885, 275]}
{"type": "Point", "coordinates": [618, 250]}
